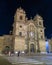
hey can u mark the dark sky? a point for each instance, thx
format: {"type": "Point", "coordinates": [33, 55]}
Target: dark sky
{"type": "Point", "coordinates": [32, 7]}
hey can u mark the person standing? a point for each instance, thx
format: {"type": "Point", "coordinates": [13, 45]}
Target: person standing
{"type": "Point", "coordinates": [18, 53]}
{"type": "Point", "coordinates": [9, 53]}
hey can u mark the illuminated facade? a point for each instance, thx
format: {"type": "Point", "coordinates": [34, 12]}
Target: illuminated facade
{"type": "Point", "coordinates": [28, 34]}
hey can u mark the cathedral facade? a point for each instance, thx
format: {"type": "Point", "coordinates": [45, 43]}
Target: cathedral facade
{"type": "Point", "coordinates": [28, 35]}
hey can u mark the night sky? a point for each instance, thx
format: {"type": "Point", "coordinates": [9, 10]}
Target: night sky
{"type": "Point", "coordinates": [32, 7]}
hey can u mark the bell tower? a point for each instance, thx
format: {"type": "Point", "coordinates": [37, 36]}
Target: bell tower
{"type": "Point", "coordinates": [40, 33]}
{"type": "Point", "coordinates": [19, 30]}
{"type": "Point", "coordinates": [20, 15]}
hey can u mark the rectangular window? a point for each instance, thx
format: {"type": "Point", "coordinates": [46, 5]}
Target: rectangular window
{"type": "Point", "coordinates": [40, 30]}
{"type": "Point", "coordinates": [41, 37]}
{"type": "Point", "coordinates": [39, 23]}
{"type": "Point", "coordinates": [20, 33]}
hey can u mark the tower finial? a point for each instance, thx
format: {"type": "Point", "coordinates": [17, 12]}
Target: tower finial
{"type": "Point", "coordinates": [20, 8]}
{"type": "Point", "coordinates": [30, 17]}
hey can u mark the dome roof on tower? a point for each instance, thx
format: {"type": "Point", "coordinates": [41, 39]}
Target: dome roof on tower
{"type": "Point", "coordinates": [20, 10]}
{"type": "Point", "coordinates": [38, 17]}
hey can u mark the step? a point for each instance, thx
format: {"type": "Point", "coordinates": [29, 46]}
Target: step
{"type": "Point", "coordinates": [21, 63]}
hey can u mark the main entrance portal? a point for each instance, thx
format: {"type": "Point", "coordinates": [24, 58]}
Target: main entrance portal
{"type": "Point", "coordinates": [32, 49]}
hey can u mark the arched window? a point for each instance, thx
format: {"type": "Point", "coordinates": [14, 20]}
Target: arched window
{"type": "Point", "coordinates": [21, 17]}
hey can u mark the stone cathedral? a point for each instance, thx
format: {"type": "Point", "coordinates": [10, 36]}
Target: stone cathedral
{"type": "Point", "coordinates": [27, 35]}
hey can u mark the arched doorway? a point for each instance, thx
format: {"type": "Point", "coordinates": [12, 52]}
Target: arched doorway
{"type": "Point", "coordinates": [6, 50]}
{"type": "Point", "coordinates": [32, 48]}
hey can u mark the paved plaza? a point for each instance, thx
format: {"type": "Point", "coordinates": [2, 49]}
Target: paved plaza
{"type": "Point", "coordinates": [46, 59]}
{"type": "Point", "coordinates": [38, 59]}
{"type": "Point", "coordinates": [23, 60]}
